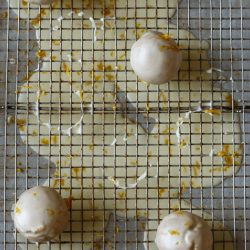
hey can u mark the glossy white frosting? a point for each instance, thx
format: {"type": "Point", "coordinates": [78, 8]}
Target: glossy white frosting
{"type": "Point", "coordinates": [184, 231]}
{"type": "Point", "coordinates": [40, 214]}
{"type": "Point", "coordinates": [155, 58]}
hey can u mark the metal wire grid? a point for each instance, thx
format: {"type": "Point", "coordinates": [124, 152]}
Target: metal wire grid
{"type": "Point", "coordinates": [224, 23]}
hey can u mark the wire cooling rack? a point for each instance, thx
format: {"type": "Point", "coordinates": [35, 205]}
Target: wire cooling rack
{"type": "Point", "coordinates": [224, 25]}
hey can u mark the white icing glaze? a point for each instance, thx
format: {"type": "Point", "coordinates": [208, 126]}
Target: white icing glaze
{"type": "Point", "coordinates": [97, 88]}
{"type": "Point", "coordinates": [155, 58]}
{"type": "Point", "coordinates": [182, 231]}
{"type": "Point", "coordinates": [40, 214]}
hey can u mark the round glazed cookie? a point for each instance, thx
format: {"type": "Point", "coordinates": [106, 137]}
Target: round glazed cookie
{"type": "Point", "coordinates": [182, 231]}
{"type": "Point", "coordinates": [155, 58]}
{"type": "Point", "coordinates": [40, 214]}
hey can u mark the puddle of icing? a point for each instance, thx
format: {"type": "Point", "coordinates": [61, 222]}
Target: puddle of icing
{"type": "Point", "coordinates": [88, 85]}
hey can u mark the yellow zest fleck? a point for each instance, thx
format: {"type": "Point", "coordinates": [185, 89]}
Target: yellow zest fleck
{"type": "Point", "coordinates": [75, 171]}
{"type": "Point", "coordinates": [212, 111]}
{"type": "Point", "coordinates": [122, 36]}
{"type": "Point", "coordinates": [66, 69]}
{"type": "Point", "coordinates": [196, 168]}
{"type": "Point", "coordinates": [150, 154]}
{"type": "Point", "coordinates": [19, 170]}
{"type": "Point", "coordinates": [53, 58]}
{"type": "Point", "coordinates": [138, 25]}
{"type": "Point", "coordinates": [174, 232]}
{"type": "Point", "coordinates": [180, 213]}
{"type": "Point", "coordinates": [24, 3]}
{"type": "Point", "coordinates": [182, 143]}
{"type": "Point", "coordinates": [236, 154]}
{"type": "Point", "coordinates": [163, 96]}
{"type": "Point", "coordinates": [109, 67]}
{"type": "Point", "coordinates": [58, 182]}
{"type": "Point", "coordinates": [133, 163]}
{"type": "Point", "coordinates": [183, 187]}
{"type": "Point", "coordinates": [34, 194]}
{"type": "Point", "coordinates": [91, 146]}
{"type": "Point", "coordinates": [164, 36]}
{"type": "Point", "coordinates": [165, 131]}
{"type": "Point", "coordinates": [44, 141]}
{"type": "Point", "coordinates": [55, 42]}
{"type": "Point", "coordinates": [112, 53]}
{"type": "Point", "coordinates": [166, 141]}
{"type": "Point", "coordinates": [54, 139]}
{"type": "Point", "coordinates": [34, 133]}
{"type": "Point", "coordinates": [147, 106]}
{"type": "Point", "coordinates": [172, 47]}
{"type": "Point", "coordinates": [41, 53]}
{"type": "Point", "coordinates": [100, 66]}
{"type": "Point", "coordinates": [97, 77]}
{"type": "Point", "coordinates": [21, 124]}
{"type": "Point", "coordinates": [109, 77]}
{"type": "Point", "coordinates": [122, 56]}
{"type": "Point", "coordinates": [18, 210]}
{"type": "Point", "coordinates": [119, 67]}
{"type": "Point", "coordinates": [50, 211]}
{"type": "Point", "coordinates": [121, 195]}
{"type": "Point", "coordinates": [161, 192]}
{"type": "Point", "coordinates": [224, 151]}
{"type": "Point", "coordinates": [228, 160]}
{"type": "Point", "coordinates": [37, 19]}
